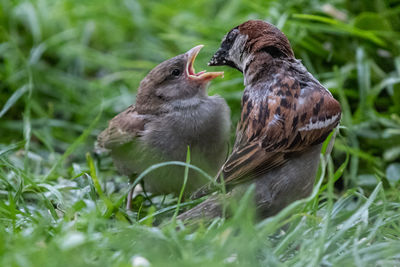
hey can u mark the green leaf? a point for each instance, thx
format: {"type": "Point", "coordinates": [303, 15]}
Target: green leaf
{"type": "Point", "coordinates": [13, 99]}
{"type": "Point", "coordinates": [73, 146]}
{"type": "Point", "coordinates": [340, 27]}
{"type": "Point", "coordinates": [372, 22]}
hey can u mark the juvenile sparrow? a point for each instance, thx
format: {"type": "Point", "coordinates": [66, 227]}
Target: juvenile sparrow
{"type": "Point", "coordinates": [172, 111]}
{"type": "Point", "coordinates": [286, 115]}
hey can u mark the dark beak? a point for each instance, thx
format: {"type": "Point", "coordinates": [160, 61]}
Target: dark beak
{"type": "Point", "coordinates": [219, 58]}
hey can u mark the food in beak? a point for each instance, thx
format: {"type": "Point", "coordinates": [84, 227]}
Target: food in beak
{"type": "Point", "coordinates": [202, 75]}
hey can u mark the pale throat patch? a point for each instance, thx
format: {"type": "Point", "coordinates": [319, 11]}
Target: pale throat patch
{"type": "Point", "coordinates": [236, 53]}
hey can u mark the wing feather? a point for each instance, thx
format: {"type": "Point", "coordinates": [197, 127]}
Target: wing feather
{"type": "Point", "coordinates": [122, 129]}
{"type": "Point", "coordinates": [280, 118]}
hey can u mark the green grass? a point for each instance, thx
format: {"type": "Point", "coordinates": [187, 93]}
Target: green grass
{"type": "Point", "coordinates": [68, 66]}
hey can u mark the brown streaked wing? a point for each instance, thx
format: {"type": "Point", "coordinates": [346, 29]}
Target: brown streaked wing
{"type": "Point", "coordinates": [288, 119]}
{"type": "Point", "coordinates": [122, 129]}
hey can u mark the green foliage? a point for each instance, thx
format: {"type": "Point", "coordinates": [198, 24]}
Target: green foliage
{"type": "Point", "coordinates": [68, 66]}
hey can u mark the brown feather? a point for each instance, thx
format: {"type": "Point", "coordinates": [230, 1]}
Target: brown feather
{"type": "Point", "coordinates": [122, 129]}
{"type": "Point", "coordinates": [272, 124]}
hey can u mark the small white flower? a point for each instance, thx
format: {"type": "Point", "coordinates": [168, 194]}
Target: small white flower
{"type": "Point", "coordinates": [72, 240]}
{"type": "Point", "coordinates": [139, 261]}
{"type": "Point", "coordinates": [231, 259]}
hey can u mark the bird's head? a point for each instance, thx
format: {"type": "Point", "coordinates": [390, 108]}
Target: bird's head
{"type": "Point", "coordinates": [249, 38]}
{"type": "Point", "coordinates": [174, 79]}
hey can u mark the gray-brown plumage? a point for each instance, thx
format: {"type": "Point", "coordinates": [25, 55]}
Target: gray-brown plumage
{"type": "Point", "coordinates": [286, 115]}
{"type": "Point", "coordinates": [172, 112]}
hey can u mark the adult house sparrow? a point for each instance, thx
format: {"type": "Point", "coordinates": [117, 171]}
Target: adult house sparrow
{"type": "Point", "coordinates": [286, 116]}
{"type": "Point", "coordinates": [172, 111]}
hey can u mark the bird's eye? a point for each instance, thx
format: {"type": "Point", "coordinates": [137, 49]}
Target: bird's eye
{"type": "Point", "coordinates": [176, 72]}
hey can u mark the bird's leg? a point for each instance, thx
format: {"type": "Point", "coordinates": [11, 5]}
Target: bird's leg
{"type": "Point", "coordinates": [129, 200]}
{"type": "Point", "coordinates": [130, 194]}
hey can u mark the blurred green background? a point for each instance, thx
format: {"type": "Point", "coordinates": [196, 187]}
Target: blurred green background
{"type": "Point", "coordinates": [68, 66]}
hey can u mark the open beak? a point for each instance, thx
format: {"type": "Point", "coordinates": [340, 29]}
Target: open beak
{"type": "Point", "coordinates": [201, 76]}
